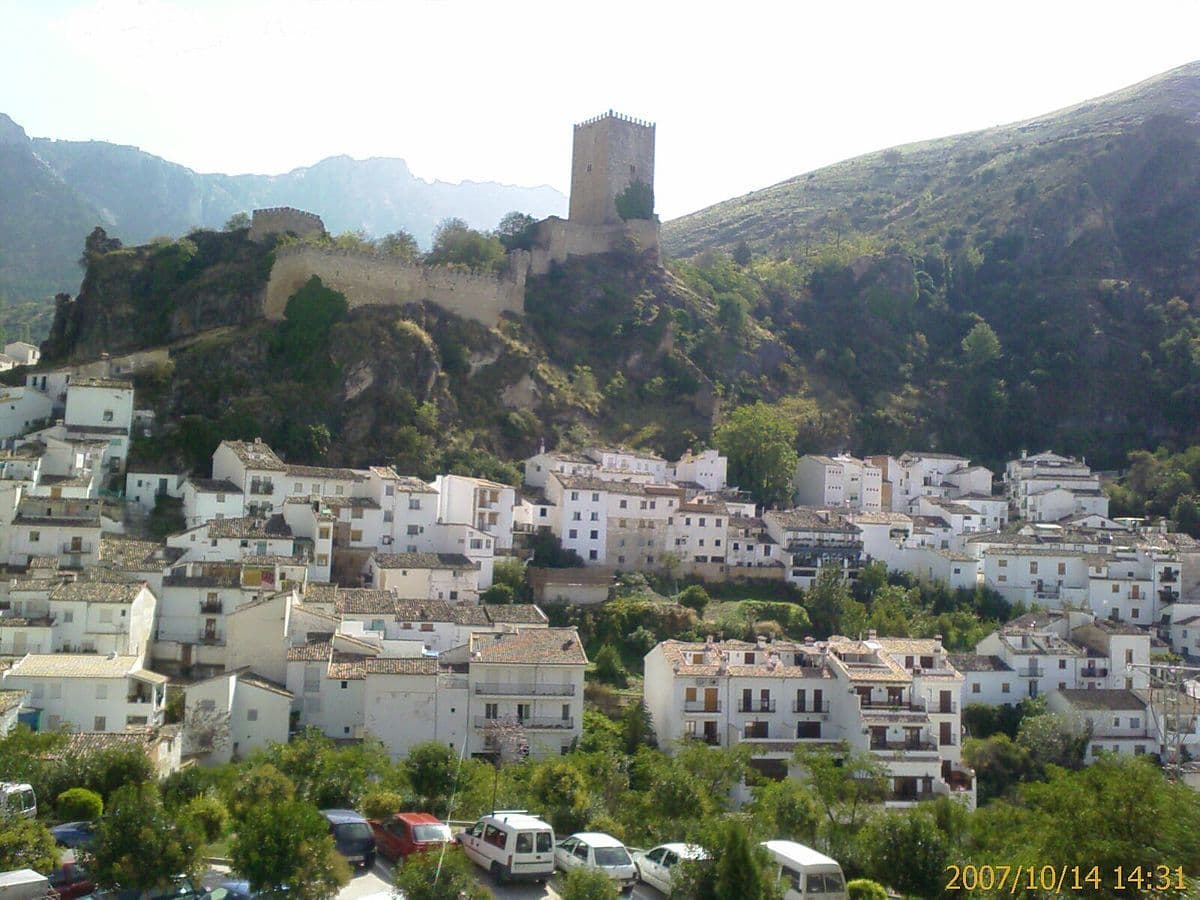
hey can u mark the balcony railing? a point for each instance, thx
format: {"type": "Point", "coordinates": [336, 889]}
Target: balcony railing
{"type": "Point", "coordinates": [1094, 673]}
{"type": "Point", "coordinates": [1031, 672]}
{"type": "Point", "coordinates": [139, 698]}
{"type": "Point", "coordinates": [72, 547]}
{"type": "Point", "coordinates": [210, 607]}
{"type": "Point", "coordinates": [942, 708]}
{"type": "Point", "coordinates": [210, 639]}
{"type": "Point", "coordinates": [1169, 576]}
{"type": "Point", "coordinates": [909, 796]}
{"type": "Point", "coordinates": [524, 689]}
{"type": "Point", "coordinates": [894, 706]}
{"type": "Point", "coordinates": [531, 723]}
{"type": "Point", "coordinates": [756, 706]}
{"type": "Point", "coordinates": [904, 746]}
{"type": "Point", "coordinates": [701, 706]}
{"type": "Point", "coordinates": [821, 708]}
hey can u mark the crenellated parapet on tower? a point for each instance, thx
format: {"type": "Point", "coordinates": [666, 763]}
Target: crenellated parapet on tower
{"type": "Point", "coordinates": [610, 153]}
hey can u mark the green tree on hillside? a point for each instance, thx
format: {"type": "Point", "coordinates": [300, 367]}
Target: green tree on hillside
{"type": "Point", "coordinates": [139, 845]}
{"type": "Point", "coordinates": [26, 844]}
{"type": "Point", "coordinates": [516, 230]}
{"type": "Point", "coordinates": [636, 201]}
{"type": "Point", "coordinates": [400, 244]}
{"type": "Point", "coordinates": [287, 846]}
{"type": "Point", "coordinates": [761, 446]}
{"type": "Point", "coordinates": [457, 244]}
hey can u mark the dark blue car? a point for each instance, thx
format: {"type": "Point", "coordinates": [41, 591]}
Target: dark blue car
{"type": "Point", "coordinates": [76, 835]}
{"type": "Point", "coordinates": [352, 835]}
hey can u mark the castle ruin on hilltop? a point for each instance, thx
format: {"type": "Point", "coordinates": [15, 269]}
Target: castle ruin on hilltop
{"type": "Point", "coordinates": [612, 159]}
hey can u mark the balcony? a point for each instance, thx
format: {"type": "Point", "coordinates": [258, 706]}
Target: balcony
{"type": "Point", "coordinates": [924, 745]}
{"type": "Point", "coordinates": [813, 709]}
{"type": "Point", "coordinates": [529, 723]}
{"type": "Point", "coordinates": [893, 706]}
{"type": "Point", "coordinates": [1169, 576]}
{"type": "Point", "coordinates": [210, 607]}
{"type": "Point", "coordinates": [701, 706]}
{"type": "Point", "coordinates": [77, 548]}
{"type": "Point", "coordinates": [1031, 672]}
{"type": "Point", "coordinates": [210, 639]}
{"type": "Point", "coordinates": [756, 706]}
{"type": "Point", "coordinates": [943, 709]}
{"type": "Point", "coordinates": [1092, 672]}
{"type": "Point", "coordinates": [514, 689]}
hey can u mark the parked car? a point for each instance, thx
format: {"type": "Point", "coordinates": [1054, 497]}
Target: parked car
{"type": "Point", "coordinates": [231, 890]}
{"type": "Point", "coordinates": [409, 832]}
{"type": "Point", "coordinates": [352, 835]}
{"type": "Point", "coordinates": [71, 880]}
{"type": "Point", "coordinates": [76, 835]}
{"type": "Point", "coordinates": [804, 873]}
{"type": "Point", "coordinates": [657, 867]}
{"type": "Point", "coordinates": [17, 799]}
{"type": "Point", "coordinates": [595, 850]}
{"type": "Point", "coordinates": [512, 845]}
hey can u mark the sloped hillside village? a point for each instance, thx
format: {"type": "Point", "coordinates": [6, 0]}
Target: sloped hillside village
{"type": "Point", "coordinates": [348, 600]}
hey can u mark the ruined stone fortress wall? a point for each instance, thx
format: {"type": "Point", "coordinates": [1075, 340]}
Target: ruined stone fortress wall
{"type": "Point", "coordinates": [558, 239]}
{"type": "Point", "coordinates": [609, 153]}
{"type": "Point", "coordinates": [281, 220]}
{"type": "Point", "coordinates": [367, 280]}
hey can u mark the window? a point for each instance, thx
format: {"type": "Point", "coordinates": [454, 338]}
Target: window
{"type": "Point", "coordinates": [1135, 722]}
{"type": "Point", "coordinates": [390, 490]}
{"type": "Point", "coordinates": [322, 559]}
{"type": "Point", "coordinates": [1116, 588]}
{"type": "Point", "coordinates": [108, 415]}
{"type": "Point", "coordinates": [414, 502]}
{"type": "Point", "coordinates": [1004, 687]}
{"type": "Point", "coordinates": [99, 724]}
{"type": "Point", "coordinates": [413, 529]}
{"type": "Point", "coordinates": [592, 555]}
{"type": "Point", "coordinates": [339, 489]}
{"type": "Point", "coordinates": [1062, 568]}
{"type": "Point", "coordinates": [594, 535]}
{"type": "Point", "coordinates": [624, 504]}
{"type": "Point", "coordinates": [1003, 563]}
{"type": "Point", "coordinates": [356, 512]}
{"type": "Point", "coordinates": [356, 535]}
{"type": "Point", "coordinates": [975, 688]}
{"type": "Point", "coordinates": [595, 517]}
{"type": "Point", "coordinates": [297, 488]}
{"type": "Point", "coordinates": [576, 516]}
{"type": "Point", "coordinates": [323, 533]}
{"type": "Point", "coordinates": [1062, 663]}
{"type": "Point", "coordinates": [34, 537]}
{"type": "Point", "coordinates": [252, 715]}
{"type": "Point", "coordinates": [1002, 578]}
{"type": "Point", "coordinates": [573, 533]}
{"type": "Point", "coordinates": [69, 616]}
{"type": "Point", "coordinates": [595, 498]}
{"type": "Point", "coordinates": [574, 495]}
{"type": "Point", "coordinates": [1133, 613]}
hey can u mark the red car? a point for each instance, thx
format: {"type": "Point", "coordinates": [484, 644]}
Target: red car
{"type": "Point", "coordinates": [70, 880]}
{"type": "Point", "coordinates": [403, 833]}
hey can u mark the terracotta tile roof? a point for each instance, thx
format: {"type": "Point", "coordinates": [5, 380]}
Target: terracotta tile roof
{"type": "Point", "coordinates": [249, 527]}
{"type": "Point", "coordinates": [255, 680]}
{"type": "Point", "coordinates": [468, 614]}
{"type": "Point", "coordinates": [516, 614]}
{"type": "Point", "coordinates": [255, 455]}
{"type": "Point", "coordinates": [84, 743]}
{"type": "Point", "coordinates": [323, 472]}
{"type": "Point", "coordinates": [214, 486]}
{"type": "Point", "coordinates": [975, 662]}
{"type": "Point", "coordinates": [50, 562]}
{"type": "Point", "coordinates": [136, 555]}
{"type": "Point", "coordinates": [1095, 698]}
{"type": "Point", "coordinates": [549, 646]}
{"type": "Point", "coordinates": [320, 592]}
{"type": "Point", "coordinates": [423, 561]}
{"type": "Point", "coordinates": [313, 651]}
{"type": "Point", "coordinates": [803, 518]}
{"type": "Point", "coordinates": [121, 384]}
{"type": "Point", "coordinates": [681, 655]}
{"type": "Point", "coordinates": [98, 591]}
{"type": "Point", "coordinates": [364, 601]}
{"type": "Point", "coordinates": [426, 611]}
{"type": "Point", "coordinates": [9, 700]}
{"type": "Point", "coordinates": [415, 665]}
{"type": "Point", "coordinates": [405, 484]}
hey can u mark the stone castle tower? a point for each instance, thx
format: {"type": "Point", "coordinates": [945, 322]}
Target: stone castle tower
{"type": "Point", "coordinates": [610, 152]}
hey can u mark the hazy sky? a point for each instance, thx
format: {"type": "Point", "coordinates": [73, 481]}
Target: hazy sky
{"type": "Point", "coordinates": [744, 93]}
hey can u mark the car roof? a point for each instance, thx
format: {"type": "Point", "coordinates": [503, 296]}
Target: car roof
{"type": "Point", "coordinates": [342, 816]}
{"type": "Point", "coordinates": [799, 853]}
{"type": "Point", "coordinates": [687, 851]}
{"type": "Point", "coordinates": [520, 820]}
{"type": "Point", "coordinates": [597, 839]}
{"type": "Point", "coordinates": [419, 818]}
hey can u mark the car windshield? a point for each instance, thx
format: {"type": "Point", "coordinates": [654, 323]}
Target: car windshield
{"type": "Point", "coordinates": [352, 831]}
{"type": "Point", "coordinates": [612, 856]}
{"type": "Point", "coordinates": [431, 833]}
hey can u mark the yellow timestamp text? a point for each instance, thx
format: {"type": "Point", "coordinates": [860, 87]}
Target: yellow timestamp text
{"type": "Point", "coordinates": [1063, 879]}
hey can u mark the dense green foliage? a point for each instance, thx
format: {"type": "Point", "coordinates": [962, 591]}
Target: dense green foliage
{"type": "Point", "coordinates": [587, 884]}
{"type": "Point", "coordinates": [140, 845]}
{"type": "Point", "coordinates": [79, 804]}
{"type": "Point", "coordinates": [636, 201]}
{"type": "Point", "coordinates": [286, 845]}
{"type": "Point", "coordinates": [439, 876]}
{"type": "Point", "coordinates": [302, 341]}
{"type": "Point", "coordinates": [26, 844]}
{"type": "Point", "coordinates": [761, 447]}
{"type": "Point", "coordinates": [457, 244]}
{"type": "Point", "coordinates": [1160, 484]}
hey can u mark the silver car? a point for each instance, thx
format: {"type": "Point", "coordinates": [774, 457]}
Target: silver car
{"type": "Point", "coordinates": [594, 850]}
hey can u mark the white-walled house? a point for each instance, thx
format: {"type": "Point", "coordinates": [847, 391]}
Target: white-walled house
{"type": "Point", "coordinates": [25, 353]}
{"type": "Point", "coordinates": [229, 540]}
{"type": "Point", "coordinates": [258, 711]}
{"type": "Point", "coordinates": [708, 469]}
{"type": "Point", "coordinates": [989, 679]}
{"type": "Point", "coordinates": [1047, 487]}
{"type": "Point", "coordinates": [68, 528]}
{"type": "Point", "coordinates": [22, 409]}
{"type": "Point", "coordinates": [256, 470]}
{"type": "Point", "coordinates": [1119, 720]}
{"type": "Point", "coordinates": [840, 482]}
{"type": "Point", "coordinates": [426, 576]}
{"type": "Point", "coordinates": [143, 488]}
{"type": "Point", "coordinates": [205, 499]}
{"type": "Point", "coordinates": [101, 409]}
{"type": "Point", "coordinates": [815, 538]}
{"type": "Point", "coordinates": [89, 692]}
{"type": "Point", "coordinates": [485, 505]}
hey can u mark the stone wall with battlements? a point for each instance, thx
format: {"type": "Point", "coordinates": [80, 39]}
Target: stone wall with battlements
{"type": "Point", "coordinates": [284, 219]}
{"type": "Point", "coordinates": [609, 153]}
{"type": "Point", "coordinates": [368, 280]}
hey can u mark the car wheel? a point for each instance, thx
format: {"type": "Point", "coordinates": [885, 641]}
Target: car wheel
{"type": "Point", "coordinates": [500, 873]}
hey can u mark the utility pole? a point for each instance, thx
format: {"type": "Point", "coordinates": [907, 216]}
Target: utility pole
{"type": "Point", "coordinates": [1170, 708]}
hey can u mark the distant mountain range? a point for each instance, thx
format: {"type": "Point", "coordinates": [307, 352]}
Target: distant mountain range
{"type": "Point", "coordinates": [52, 193]}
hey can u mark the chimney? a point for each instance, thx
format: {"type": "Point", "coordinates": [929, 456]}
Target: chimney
{"type": "Point", "coordinates": [761, 641]}
{"type": "Point", "coordinates": [871, 634]}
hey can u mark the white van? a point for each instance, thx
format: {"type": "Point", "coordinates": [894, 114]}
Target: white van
{"type": "Point", "coordinates": [25, 884]}
{"type": "Point", "coordinates": [17, 800]}
{"type": "Point", "coordinates": [805, 874]}
{"type": "Point", "coordinates": [512, 845]}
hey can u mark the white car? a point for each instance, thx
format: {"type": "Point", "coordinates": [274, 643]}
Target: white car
{"type": "Point", "coordinates": [657, 867]}
{"type": "Point", "coordinates": [594, 850]}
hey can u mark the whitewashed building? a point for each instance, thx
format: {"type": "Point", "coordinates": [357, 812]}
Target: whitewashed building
{"type": "Point", "coordinates": [256, 709]}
